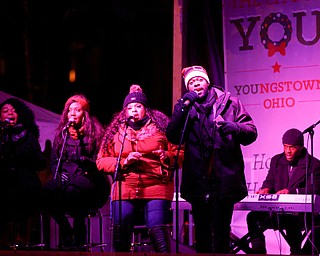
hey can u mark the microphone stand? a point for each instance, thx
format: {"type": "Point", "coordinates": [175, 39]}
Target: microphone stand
{"type": "Point", "coordinates": [311, 133]}
{"type": "Point", "coordinates": [61, 153]}
{"type": "Point", "coordinates": [58, 167]}
{"type": "Point", "coordinates": [175, 166]}
{"type": "Point", "coordinates": [118, 177]}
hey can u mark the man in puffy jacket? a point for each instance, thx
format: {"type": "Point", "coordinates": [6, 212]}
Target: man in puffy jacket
{"type": "Point", "coordinates": [213, 180]}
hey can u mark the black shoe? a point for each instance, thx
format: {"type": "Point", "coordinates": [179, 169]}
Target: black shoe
{"type": "Point", "coordinates": [66, 244]}
{"type": "Point", "coordinates": [79, 247]}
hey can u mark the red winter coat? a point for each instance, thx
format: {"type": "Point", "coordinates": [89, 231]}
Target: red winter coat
{"type": "Point", "coordinates": [149, 177]}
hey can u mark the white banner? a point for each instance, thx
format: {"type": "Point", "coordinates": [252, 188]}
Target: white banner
{"type": "Point", "coordinates": [272, 63]}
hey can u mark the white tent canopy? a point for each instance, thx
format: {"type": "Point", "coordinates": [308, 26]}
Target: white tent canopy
{"type": "Point", "coordinates": [46, 120]}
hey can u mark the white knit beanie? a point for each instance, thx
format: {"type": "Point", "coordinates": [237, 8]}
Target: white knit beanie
{"type": "Point", "coordinates": [190, 72]}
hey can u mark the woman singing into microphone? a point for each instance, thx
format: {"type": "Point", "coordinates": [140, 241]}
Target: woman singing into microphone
{"type": "Point", "coordinates": [145, 171]}
{"type": "Point", "coordinates": [20, 161]}
{"type": "Point", "coordinates": [76, 185]}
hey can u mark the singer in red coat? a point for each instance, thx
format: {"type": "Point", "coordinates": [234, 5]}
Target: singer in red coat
{"type": "Point", "coordinates": [145, 171]}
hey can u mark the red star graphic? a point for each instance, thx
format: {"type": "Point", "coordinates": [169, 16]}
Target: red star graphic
{"type": "Point", "coordinates": [276, 67]}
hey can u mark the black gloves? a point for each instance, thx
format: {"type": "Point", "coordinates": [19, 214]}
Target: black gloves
{"type": "Point", "coordinates": [190, 98]}
{"type": "Point", "coordinates": [227, 127]}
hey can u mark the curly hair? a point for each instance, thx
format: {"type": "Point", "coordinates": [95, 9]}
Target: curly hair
{"type": "Point", "coordinates": [26, 116]}
{"type": "Point", "coordinates": [93, 129]}
{"type": "Point", "coordinates": [157, 117]}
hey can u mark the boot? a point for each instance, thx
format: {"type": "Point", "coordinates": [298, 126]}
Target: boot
{"type": "Point", "coordinates": [258, 245]}
{"type": "Point", "coordinates": [160, 238]}
{"type": "Point", "coordinates": [122, 238]}
{"type": "Point", "coordinates": [66, 233]}
{"type": "Point", "coordinates": [79, 231]}
{"type": "Point", "coordinates": [6, 237]}
{"type": "Point", "coordinates": [23, 230]}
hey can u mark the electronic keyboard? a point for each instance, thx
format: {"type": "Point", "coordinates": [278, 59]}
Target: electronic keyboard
{"type": "Point", "coordinates": [279, 203]}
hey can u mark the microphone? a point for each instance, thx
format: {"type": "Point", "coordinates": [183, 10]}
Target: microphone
{"type": "Point", "coordinates": [71, 122]}
{"type": "Point", "coordinates": [129, 118]}
{"type": "Point", "coordinates": [188, 103]}
{"type": "Point", "coordinates": [5, 122]}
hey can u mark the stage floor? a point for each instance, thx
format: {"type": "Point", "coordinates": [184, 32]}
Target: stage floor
{"type": "Point", "coordinates": [138, 250]}
{"type": "Point", "coordinates": [62, 253]}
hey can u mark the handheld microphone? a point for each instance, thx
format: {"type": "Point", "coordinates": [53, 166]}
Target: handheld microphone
{"type": "Point", "coordinates": [5, 122]}
{"type": "Point", "coordinates": [188, 103]}
{"type": "Point", "coordinates": [71, 122]}
{"type": "Point", "coordinates": [129, 118]}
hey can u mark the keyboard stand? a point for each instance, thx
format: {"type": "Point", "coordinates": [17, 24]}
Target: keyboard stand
{"type": "Point", "coordinates": [242, 244]}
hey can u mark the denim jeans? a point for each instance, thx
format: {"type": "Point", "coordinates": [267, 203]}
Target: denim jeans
{"type": "Point", "coordinates": [153, 212]}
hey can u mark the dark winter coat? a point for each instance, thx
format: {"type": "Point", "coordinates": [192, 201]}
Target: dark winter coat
{"type": "Point", "coordinates": [20, 160]}
{"type": "Point", "coordinates": [78, 165]}
{"type": "Point", "coordinates": [212, 163]}
{"type": "Point", "coordinates": [300, 181]}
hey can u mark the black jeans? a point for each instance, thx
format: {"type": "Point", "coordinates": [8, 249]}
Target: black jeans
{"type": "Point", "coordinates": [258, 222]}
{"type": "Point", "coordinates": [212, 219]}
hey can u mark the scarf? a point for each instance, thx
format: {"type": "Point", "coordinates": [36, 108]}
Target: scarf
{"type": "Point", "coordinates": [76, 133]}
{"type": "Point", "coordinates": [14, 133]}
{"type": "Point", "coordinates": [206, 126]}
{"type": "Point", "coordinates": [138, 124]}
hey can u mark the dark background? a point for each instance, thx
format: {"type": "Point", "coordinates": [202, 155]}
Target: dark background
{"type": "Point", "coordinates": [110, 43]}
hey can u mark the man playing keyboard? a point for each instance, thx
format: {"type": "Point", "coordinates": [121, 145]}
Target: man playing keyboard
{"type": "Point", "coordinates": [289, 173]}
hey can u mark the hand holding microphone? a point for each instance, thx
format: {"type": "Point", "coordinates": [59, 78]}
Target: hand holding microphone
{"type": "Point", "coordinates": [189, 98]}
